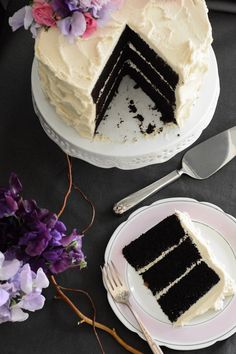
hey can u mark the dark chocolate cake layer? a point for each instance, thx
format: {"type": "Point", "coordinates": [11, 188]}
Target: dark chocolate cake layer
{"type": "Point", "coordinates": [166, 109]}
{"type": "Point", "coordinates": [109, 97]}
{"type": "Point", "coordinates": [154, 242]}
{"type": "Point", "coordinates": [111, 86]}
{"type": "Point", "coordinates": [188, 290]}
{"type": "Point", "coordinates": [111, 63]}
{"type": "Point", "coordinates": [172, 266]}
{"type": "Point", "coordinates": [150, 55]}
{"type": "Point", "coordinates": [154, 76]}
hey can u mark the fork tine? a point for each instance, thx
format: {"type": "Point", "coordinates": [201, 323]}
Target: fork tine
{"type": "Point", "coordinates": [108, 278]}
{"type": "Point", "coordinates": [107, 283]}
{"type": "Point", "coordinates": [113, 274]}
{"type": "Point", "coordinates": [116, 273]}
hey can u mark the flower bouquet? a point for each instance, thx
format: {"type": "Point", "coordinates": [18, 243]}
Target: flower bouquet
{"type": "Point", "coordinates": [74, 18]}
{"type": "Point", "coordinates": [33, 247]}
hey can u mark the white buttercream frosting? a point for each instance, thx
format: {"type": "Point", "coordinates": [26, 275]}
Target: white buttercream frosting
{"type": "Point", "coordinates": [179, 31]}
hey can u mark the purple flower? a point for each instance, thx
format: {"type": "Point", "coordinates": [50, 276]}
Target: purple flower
{"type": "Point", "coordinates": [73, 4]}
{"type": "Point", "coordinates": [8, 268]}
{"type": "Point", "coordinates": [28, 20]}
{"type": "Point", "coordinates": [20, 290]}
{"type": "Point", "coordinates": [4, 296]}
{"type": "Point", "coordinates": [29, 280]}
{"type": "Point", "coordinates": [104, 13]}
{"type": "Point", "coordinates": [38, 245]}
{"type": "Point", "coordinates": [75, 18]}
{"type": "Point", "coordinates": [34, 235]}
{"type": "Point", "coordinates": [9, 197]}
{"type": "Point", "coordinates": [53, 255]}
{"type": "Point", "coordinates": [32, 302]}
{"type": "Point", "coordinates": [60, 7]}
{"type": "Point", "coordinates": [86, 3]}
{"type": "Point", "coordinates": [61, 264]}
{"type": "Point", "coordinates": [17, 20]}
{"type": "Point", "coordinates": [34, 29]}
{"type": "Point", "coordinates": [73, 26]}
{"type": "Point", "coordinates": [22, 17]}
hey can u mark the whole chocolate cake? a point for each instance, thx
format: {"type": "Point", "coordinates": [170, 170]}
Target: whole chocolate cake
{"type": "Point", "coordinates": [162, 44]}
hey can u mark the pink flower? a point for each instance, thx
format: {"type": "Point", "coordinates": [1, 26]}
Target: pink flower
{"type": "Point", "coordinates": [43, 13]}
{"type": "Point", "coordinates": [91, 25]}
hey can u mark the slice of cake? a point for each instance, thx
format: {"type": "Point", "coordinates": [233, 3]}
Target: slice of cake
{"type": "Point", "coordinates": [162, 44]}
{"type": "Point", "coordinates": [179, 269]}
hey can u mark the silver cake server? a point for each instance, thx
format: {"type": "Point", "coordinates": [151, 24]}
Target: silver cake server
{"type": "Point", "coordinates": [200, 162]}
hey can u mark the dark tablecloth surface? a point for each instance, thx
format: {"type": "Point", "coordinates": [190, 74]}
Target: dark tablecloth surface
{"type": "Point", "coordinates": [41, 166]}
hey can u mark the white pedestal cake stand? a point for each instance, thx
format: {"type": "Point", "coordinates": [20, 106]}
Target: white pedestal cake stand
{"type": "Point", "coordinates": [121, 141]}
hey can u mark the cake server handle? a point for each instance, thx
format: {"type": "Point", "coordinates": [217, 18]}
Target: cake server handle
{"type": "Point", "coordinates": [135, 198]}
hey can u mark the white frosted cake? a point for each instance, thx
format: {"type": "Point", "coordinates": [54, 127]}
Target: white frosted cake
{"type": "Point", "coordinates": [179, 269]}
{"type": "Point", "coordinates": [162, 44]}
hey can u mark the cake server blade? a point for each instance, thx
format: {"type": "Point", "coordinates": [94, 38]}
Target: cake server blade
{"type": "Point", "coordinates": [200, 162]}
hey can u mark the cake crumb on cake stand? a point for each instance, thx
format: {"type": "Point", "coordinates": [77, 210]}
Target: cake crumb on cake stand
{"type": "Point", "coordinates": [123, 141]}
{"type": "Point", "coordinates": [132, 114]}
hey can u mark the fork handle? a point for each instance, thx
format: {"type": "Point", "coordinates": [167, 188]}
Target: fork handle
{"type": "Point", "coordinates": [152, 344]}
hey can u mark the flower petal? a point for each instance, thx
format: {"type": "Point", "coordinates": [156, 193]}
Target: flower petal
{"type": "Point", "coordinates": [64, 25]}
{"type": "Point", "coordinates": [4, 296]}
{"type": "Point", "coordinates": [26, 282]}
{"type": "Point", "coordinates": [32, 302]}
{"type": "Point", "coordinates": [15, 184]}
{"type": "Point", "coordinates": [5, 314]}
{"type": "Point", "coordinates": [2, 258]}
{"type": "Point", "coordinates": [9, 269]}
{"type": "Point", "coordinates": [78, 25]}
{"type": "Point", "coordinates": [73, 26]}
{"type": "Point", "coordinates": [17, 20]}
{"type": "Point", "coordinates": [41, 281]}
{"type": "Point", "coordinates": [17, 315]}
{"type": "Point", "coordinates": [34, 30]}
{"type": "Point", "coordinates": [28, 20]}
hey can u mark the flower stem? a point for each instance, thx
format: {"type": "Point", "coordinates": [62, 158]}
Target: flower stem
{"type": "Point", "coordinates": [60, 293]}
{"type": "Point", "coordinates": [69, 187]}
{"type": "Point", "coordinates": [90, 321]}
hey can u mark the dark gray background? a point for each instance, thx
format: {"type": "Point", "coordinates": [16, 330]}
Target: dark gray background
{"type": "Point", "coordinates": [41, 166]}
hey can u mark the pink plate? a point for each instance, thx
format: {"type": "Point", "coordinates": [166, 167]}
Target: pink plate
{"type": "Point", "coordinates": [219, 230]}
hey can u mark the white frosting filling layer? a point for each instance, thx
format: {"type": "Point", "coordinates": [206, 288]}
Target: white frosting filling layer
{"type": "Point", "coordinates": [179, 31]}
{"type": "Point", "coordinates": [167, 288]}
{"type": "Point", "coordinates": [165, 253]}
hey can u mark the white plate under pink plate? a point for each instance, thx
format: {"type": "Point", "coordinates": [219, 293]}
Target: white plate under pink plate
{"type": "Point", "coordinates": [219, 230]}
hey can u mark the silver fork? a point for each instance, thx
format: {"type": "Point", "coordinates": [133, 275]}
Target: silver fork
{"type": "Point", "coordinates": [120, 293]}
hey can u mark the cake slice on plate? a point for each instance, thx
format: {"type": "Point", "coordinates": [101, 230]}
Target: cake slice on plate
{"type": "Point", "coordinates": [179, 269]}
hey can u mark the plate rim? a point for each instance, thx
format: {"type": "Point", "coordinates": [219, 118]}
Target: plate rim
{"type": "Point", "coordinates": [122, 318]}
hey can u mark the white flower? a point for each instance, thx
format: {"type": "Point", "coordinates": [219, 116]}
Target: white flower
{"type": "Point", "coordinates": [8, 268]}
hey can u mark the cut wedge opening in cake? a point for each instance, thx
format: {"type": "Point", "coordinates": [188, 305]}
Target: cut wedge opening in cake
{"type": "Point", "coordinates": [133, 57]}
{"type": "Point", "coordinates": [179, 269]}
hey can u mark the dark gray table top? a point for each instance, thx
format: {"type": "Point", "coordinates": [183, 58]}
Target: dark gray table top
{"type": "Point", "coordinates": [41, 166]}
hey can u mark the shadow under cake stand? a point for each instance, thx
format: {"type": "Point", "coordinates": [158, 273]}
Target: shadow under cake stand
{"type": "Point", "coordinates": [122, 140]}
